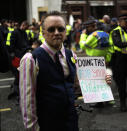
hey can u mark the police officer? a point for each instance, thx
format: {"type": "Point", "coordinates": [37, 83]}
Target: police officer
{"type": "Point", "coordinates": [10, 29]}
{"type": "Point", "coordinates": [97, 43]}
{"type": "Point", "coordinates": [89, 27]}
{"type": "Point", "coordinates": [118, 37]}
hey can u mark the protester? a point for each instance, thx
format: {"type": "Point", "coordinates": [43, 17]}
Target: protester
{"type": "Point", "coordinates": [46, 81]}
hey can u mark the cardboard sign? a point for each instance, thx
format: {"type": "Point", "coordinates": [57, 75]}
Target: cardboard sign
{"type": "Point", "coordinates": [91, 74]}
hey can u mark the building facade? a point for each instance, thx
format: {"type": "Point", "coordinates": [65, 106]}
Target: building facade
{"type": "Point", "coordinates": [20, 10]}
{"type": "Point", "coordinates": [37, 8]}
{"type": "Point", "coordinates": [97, 8]}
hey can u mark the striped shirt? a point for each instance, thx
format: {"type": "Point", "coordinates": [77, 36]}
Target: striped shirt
{"type": "Point", "coordinates": [28, 71]}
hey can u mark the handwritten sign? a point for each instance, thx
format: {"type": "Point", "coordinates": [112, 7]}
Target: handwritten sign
{"type": "Point", "coordinates": [91, 74]}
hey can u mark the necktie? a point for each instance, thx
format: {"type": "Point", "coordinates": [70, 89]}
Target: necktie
{"type": "Point", "coordinates": [57, 61]}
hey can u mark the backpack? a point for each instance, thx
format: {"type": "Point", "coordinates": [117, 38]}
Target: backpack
{"type": "Point", "coordinates": [103, 39]}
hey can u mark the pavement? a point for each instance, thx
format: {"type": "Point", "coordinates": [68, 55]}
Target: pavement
{"type": "Point", "coordinates": [108, 118]}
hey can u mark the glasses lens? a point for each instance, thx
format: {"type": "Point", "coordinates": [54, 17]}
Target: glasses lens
{"type": "Point", "coordinates": [61, 29]}
{"type": "Point", "coordinates": [52, 29]}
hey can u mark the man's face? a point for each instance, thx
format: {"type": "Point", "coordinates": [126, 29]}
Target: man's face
{"type": "Point", "coordinates": [54, 31]}
{"type": "Point", "coordinates": [91, 28]}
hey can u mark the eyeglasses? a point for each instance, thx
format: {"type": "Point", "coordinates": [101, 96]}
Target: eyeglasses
{"type": "Point", "coordinates": [52, 29]}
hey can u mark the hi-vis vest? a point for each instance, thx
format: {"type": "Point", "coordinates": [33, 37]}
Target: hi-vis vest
{"type": "Point", "coordinates": [97, 44]}
{"type": "Point", "coordinates": [9, 36]}
{"type": "Point", "coordinates": [30, 34]}
{"type": "Point", "coordinates": [41, 37]}
{"type": "Point", "coordinates": [82, 40]}
{"type": "Point", "coordinates": [68, 29]}
{"type": "Point", "coordinates": [123, 36]}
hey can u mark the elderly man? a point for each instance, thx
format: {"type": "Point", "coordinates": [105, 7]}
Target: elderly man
{"type": "Point", "coordinates": [48, 101]}
{"type": "Point", "coordinates": [46, 81]}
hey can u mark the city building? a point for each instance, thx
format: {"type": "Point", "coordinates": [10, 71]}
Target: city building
{"type": "Point", "coordinates": [20, 10]}
{"type": "Point", "coordinates": [97, 8]}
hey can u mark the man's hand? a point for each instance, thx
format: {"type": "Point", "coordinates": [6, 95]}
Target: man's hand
{"type": "Point", "coordinates": [108, 79]}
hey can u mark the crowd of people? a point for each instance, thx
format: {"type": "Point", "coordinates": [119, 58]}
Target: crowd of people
{"type": "Point", "coordinates": [39, 55]}
{"type": "Point", "coordinates": [17, 39]}
{"type": "Point", "coordinates": [108, 37]}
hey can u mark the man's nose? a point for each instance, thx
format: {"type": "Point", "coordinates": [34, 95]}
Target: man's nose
{"type": "Point", "coordinates": [56, 31]}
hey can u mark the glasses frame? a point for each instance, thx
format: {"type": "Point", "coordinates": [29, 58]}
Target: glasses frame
{"type": "Point", "coordinates": [52, 29]}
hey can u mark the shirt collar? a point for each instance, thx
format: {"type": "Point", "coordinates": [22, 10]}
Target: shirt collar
{"type": "Point", "coordinates": [51, 51]}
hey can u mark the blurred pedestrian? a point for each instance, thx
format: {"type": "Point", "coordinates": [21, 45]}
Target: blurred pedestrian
{"type": "Point", "coordinates": [36, 44]}
{"type": "Point", "coordinates": [67, 42]}
{"type": "Point", "coordinates": [4, 29]}
{"type": "Point", "coordinates": [114, 23]}
{"type": "Point", "coordinates": [77, 29]}
{"type": "Point", "coordinates": [4, 56]}
{"type": "Point", "coordinates": [19, 45]}
{"type": "Point", "coordinates": [107, 20]}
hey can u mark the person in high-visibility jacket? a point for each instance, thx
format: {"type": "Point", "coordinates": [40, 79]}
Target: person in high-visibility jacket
{"type": "Point", "coordinates": [30, 35]}
{"type": "Point", "coordinates": [118, 37]}
{"type": "Point", "coordinates": [67, 42]}
{"type": "Point", "coordinates": [89, 27]}
{"type": "Point", "coordinates": [97, 44]}
{"type": "Point", "coordinates": [10, 29]}
{"type": "Point", "coordinates": [41, 37]}
{"type": "Point", "coordinates": [68, 29]}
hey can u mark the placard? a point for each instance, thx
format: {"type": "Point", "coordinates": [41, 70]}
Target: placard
{"type": "Point", "coordinates": [91, 73]}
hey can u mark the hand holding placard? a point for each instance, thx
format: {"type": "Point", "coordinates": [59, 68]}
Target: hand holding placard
{"type": "Point", "coordinates": [91, 74]}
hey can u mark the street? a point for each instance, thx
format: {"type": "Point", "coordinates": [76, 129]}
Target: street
{"type": "Point", "coordinates": [108, 118]}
